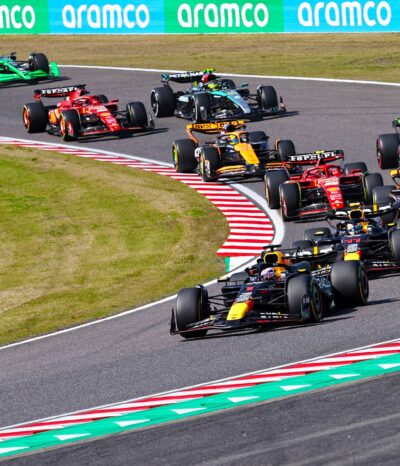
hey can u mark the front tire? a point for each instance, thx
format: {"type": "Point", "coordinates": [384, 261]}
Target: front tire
{"type": "Point", "coordinates": [39, 62]}
{"type": "Point", "coordinates": [191, 306]}
{"type": "Point", "coordinates": [387, 150]}
{"type": "Point", "coordinates": [268, 98]}
{"type": "Point", "coordinates": [289, 194]}
{"type": "Point", "coordinates": [349, 284]}
{"type": "Point", "coordinates": [394, 242]}
{"type": "Point", "coordinates": [198, 101]}
{"type": "Point", "coordinates": [300, 288]}
{"type": "Point", "coordinates": [272, 181]}
{"type": "Point", "coordinates": [209, 164]}
{"type": "Point", "coordinates": [371, 181]}
{"type": "Point", "coordinates": [163, 101]}
{"type": "Point", "coordinates": [183, 155]}
{"type": "Point", "coordinates": [70, 125]}
{"type": "Point", "coordinates": [34, 117]}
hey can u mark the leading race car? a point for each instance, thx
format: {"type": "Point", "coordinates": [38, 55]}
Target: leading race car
{"type": "Point", "coordinates": [83, 115]}
{"type": "Point", "coordinates": [211, 98]}
{"type": "Point", "coordinates": [359, 235]}
{"type": "Point", "coordinates": [36, 68]}
{"type": "Point", "coordinates": [387, 147]}
{"type": "Point", "coordinates": [274, 291]}
{"type": "Point", "coordinates": [234, 152]}
{"type": "Point", "coordinates": [320, 189]}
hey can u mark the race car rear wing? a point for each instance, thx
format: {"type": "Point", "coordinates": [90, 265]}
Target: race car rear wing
{"type": "Point", "coordinates": [59, 91]}
{"type": "Point", "coordinates": [213, 128]}
{"type": "Point", "coordinates": [187, 77]}
{"type": "Point", "coordinates": [320, 156]}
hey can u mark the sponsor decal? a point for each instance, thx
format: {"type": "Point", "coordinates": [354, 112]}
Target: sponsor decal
{"type": "Point", "coordinates": [341, 15]}
{"type": "Point", "coordinates": [196, 16]}
{"type": "Point", "coordinates": [102, 16]}
{"type": "Point", "coordinates": [23, 16]}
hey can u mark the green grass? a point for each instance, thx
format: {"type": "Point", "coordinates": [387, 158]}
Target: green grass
{"type": "Point", "coordinates": [346, 56]}
{"type": "Point", "coordinates": [81, 239]}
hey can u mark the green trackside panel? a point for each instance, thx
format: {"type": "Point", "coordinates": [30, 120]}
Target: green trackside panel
{"type": "Point", "coordinates": [24, 17]}
{"type": "Point", "coordinates": [219, 16]}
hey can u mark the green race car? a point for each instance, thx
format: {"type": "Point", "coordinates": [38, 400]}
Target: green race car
{"type": "Point", "coordinates": [37, 67]}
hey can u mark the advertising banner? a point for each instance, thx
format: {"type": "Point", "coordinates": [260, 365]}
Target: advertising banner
{"type": "Point", "coordinates": [106, 16]}
{"type": "Point", "coordinates": [222, 16]}
{"type": "Point", "coordinates": [24, 17]}
{"type": "Point", "coordinates": [342, 16]}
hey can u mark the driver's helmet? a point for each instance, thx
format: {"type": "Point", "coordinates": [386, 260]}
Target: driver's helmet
{"type": "Point", "coordinates": [268, 274]}
{"type": "Point", "coordinates": [335, 171]}
{"type": "Point", "coordinates": [341, 228]}
{"type": "Point", "coordinates": [208, 77]}
{"type": "Point", "coordinates": [315, 173]}
{"type": "Point", "coordinates": [232, 139]}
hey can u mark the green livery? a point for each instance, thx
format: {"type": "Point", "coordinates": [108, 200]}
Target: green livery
{"type": "Point", "coordinates": [36, 68]}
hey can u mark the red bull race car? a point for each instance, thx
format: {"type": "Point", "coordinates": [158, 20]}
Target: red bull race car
{"type": "Point", "coordinates": [80, 114]}
{"type": "Point", "coordinates": [320, 189]}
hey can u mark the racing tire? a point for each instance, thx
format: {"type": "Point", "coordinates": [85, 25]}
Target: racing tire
{"type": "Point", "coordinates": [361, 166]}
{"type": "Point", "coordinates": [34, 117]}
{"type": "Point", "coordinates": [349, 283]}
{"type": "Point", "coordinates": [103, 99]}
{"type": "Point", "coordinates": [394, 242]}
{"type": "Point", "coordinates": [209, 164]}
{"type": "Point", "coordinates": [371, 181]}
{"type": "Point", "coordinates": [183, 155]}
{"type": "Point", "coordinates": [268, 98]}
{"type": "Point", "coordinates": [163, 101]}
{"type": "Point", "coordinates": [137, 114]}
{"type": "Point", "coordinates": [198, 101]}
{"type": "Point", "coordinates": [70, 125]}
{"type": "Point", "coordinates": [272, 181]}
{"type": "Point", "coordinates": [310, 234]}
{"type": "Point", "coordinates": [302, 244]}
{"type": "Point", "coordinates": [38, 61]}
{"type": "Point", "coordinates": [191, 306]}
{"type": "Point", "coordinates": [256, 137]}
{"type": "Point", "coordinates": [285, 149]}
{"type": "Point", "coordinates": [381, 196]}
{"type": "Point", "coordinates": [387, 146]}
{"type": "Point", "coordinates": [289, 195]}
{"type": "Point", "coordinates": [299, 287]}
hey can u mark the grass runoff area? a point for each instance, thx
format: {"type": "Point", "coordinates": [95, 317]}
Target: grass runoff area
{"type": "Point", "coordinates": [346, 56]}
{"type": "Point", "coordinates": [81, 239]}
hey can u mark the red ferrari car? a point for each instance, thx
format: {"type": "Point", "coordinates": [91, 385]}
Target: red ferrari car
{"type": "Point", "coordinates": [320, 189]}
{"type": "Point", "coordinates": [83, 115]}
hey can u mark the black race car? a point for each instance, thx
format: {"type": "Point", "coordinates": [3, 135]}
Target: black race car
{"type": "Point", "coordinates": [211, 98]}
{"type": "Point", "coordinates": [278, 289]}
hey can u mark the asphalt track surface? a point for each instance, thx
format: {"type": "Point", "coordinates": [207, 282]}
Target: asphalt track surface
{"type": "Point", "coordinates": [135, 356]}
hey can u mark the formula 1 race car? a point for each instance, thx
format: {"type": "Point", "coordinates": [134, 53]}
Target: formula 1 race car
{"type": "Point", "coordinates": [360, 235]}
{"type": "Point", "coordinates": [235, 152]}
{"type": "Point", "coordinates": [83, 115]}
{"type": "Point", "coordinates": [387, 147]}
{"type": "Point", "coordinates": [37, 67]}
{"type": "Point", "coordinates": [274, 291]}
{"type": "Point", "coordinates": [320, 189]}
{"type": "Point", "coordinates": [210, 98]}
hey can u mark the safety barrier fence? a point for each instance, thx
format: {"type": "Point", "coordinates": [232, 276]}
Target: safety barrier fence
{"type": "Point", "coordinates": [197, 16]}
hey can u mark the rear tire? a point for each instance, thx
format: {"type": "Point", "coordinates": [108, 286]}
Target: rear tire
{"type": "Point", "coordinates": [381, 196]}
{"type": "Point", "coordinates": [285, 149]}
{"type": "Point", "coordinates": [371, 181]}
{"type": "Point", "coordinates": [272, 181]}
{"type": "Point", "coordinates": [198, 101]}
{"type": "Point", "coordinates": [361, 166]}
{"type": "Point", "coordinates": [209, 164]}
{"type": "Point", "coordinates": [387, 150]}
{"type": "Point", "coordinates": [191, 306]}
{"type": "Point", "coordinates": [137, 114]}
{"type": "Point", "coordinates": [39, 61]}
{"type": "Point", "coordinates": [183, 155]}
{"type": "Point", "coordinates": [289, 195]}
{"type": "Point", "coordinates": [349, 284]}
{"type": "Point", "coordinates": [34, 117]}
{"type": "Point", "coordinates": [70, 125]}
{"type": "Point", "coordinates": [268, 98]}
{"type": "Point", "coordinates": [256, 137]}
{"type": "Point", "coordinates": [302, 244]}
{"type": "Point", "coordinates": [310, 235]}
{"type": "Point", "coordinates": [394, 242]}
{"type": "Point", "coordinates": [163, 101]}
{"type": "Point", "coordinates": [299, 287]}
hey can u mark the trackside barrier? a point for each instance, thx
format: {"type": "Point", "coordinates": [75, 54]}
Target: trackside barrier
{"type": "Point", "coordinates": [197, 16]}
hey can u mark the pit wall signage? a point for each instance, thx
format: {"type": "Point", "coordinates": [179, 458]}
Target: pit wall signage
{"type": "Point", "coordinates": [197, 16]}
